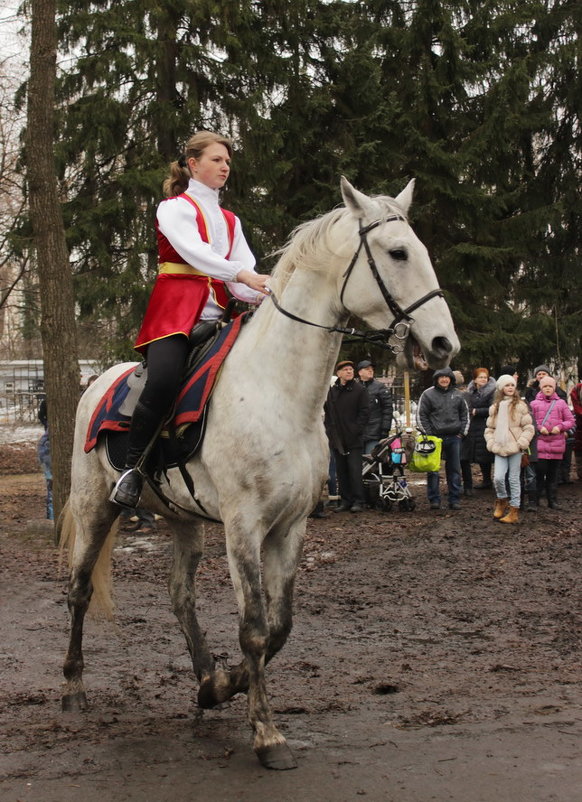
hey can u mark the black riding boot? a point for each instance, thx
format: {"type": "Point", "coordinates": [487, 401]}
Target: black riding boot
{"type": "Point", "coordinates": [144, 424]}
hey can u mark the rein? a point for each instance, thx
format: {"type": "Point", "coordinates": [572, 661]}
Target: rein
{"type": "Point", "coordinates": [399, 330]}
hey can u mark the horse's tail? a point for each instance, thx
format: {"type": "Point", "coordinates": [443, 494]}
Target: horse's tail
{"type": "Point", "coordinates": [66, 534]}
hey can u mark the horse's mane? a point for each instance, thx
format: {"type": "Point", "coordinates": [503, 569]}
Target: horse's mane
{"type": "Point", "coordinates": [311, 243]}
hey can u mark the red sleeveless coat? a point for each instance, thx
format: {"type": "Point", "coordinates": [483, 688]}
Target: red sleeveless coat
{"type": "Point", "coordinates": [181, 292]}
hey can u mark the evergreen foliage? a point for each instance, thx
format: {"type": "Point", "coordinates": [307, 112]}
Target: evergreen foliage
{"type": "Point", "coordinates": [479, 100]}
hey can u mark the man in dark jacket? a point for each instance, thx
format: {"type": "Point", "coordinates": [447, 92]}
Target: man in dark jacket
{"type": "Point", "coordinates": [346, 414]}
{"type": "Point", "coordinates": [442, 411]}
{"type": "Point", "coordinates": [381, 407]}
{"type": "Point", "coordinates": [533, 389]}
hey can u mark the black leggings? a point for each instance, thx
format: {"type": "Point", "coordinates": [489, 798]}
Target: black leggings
{"type": "Point", "coordinates": [165, 360]}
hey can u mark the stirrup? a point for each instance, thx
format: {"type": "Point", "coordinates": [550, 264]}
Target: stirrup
{"type": "Point", "coordinates": [127, 496]}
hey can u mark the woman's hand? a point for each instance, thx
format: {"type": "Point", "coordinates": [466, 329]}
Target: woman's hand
{"type": "Point", "coordinates": [255, 281]}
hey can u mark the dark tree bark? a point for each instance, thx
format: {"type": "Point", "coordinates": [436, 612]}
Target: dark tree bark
{"type": "Point", "coordinates": [58, 329]}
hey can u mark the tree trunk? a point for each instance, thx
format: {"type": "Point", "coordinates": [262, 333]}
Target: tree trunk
{"type": "Point", "coordinates": [58, 330]}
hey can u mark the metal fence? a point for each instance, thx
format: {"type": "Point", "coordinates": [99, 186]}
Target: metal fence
{"type": "Point", "coordinates": [22, 388]}
{"type": "Point", "coordinates": [20, 407]}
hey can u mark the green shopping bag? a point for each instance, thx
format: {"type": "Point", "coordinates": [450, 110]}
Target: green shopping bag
{"type": "Point", "coordinates": [427, 454]}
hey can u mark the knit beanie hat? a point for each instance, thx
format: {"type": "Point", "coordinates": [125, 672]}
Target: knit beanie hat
{"type": "Point", "coordinates": [504, 380]}
{"type": "Point", "coordinates": [547, 380]}
{"type": "Point", "coordinates": [541, 367]}
{"type": "Point", "coordinates": [508, 370]}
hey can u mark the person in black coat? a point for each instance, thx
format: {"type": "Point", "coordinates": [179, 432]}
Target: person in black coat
{"type": "Point", "coordinates": [479, 397]}
{"type": "Point", "coordinates": [345, 417]}
{"type": "Point", "coordinates": [381, 406]}
{"type": "Point", "coordinates": [442, 411]}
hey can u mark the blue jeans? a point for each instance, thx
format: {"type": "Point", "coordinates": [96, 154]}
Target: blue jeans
{"type": "Point", "coordinates": [512, 466]}
{"type": "Point", "coordinates": [451, 453]}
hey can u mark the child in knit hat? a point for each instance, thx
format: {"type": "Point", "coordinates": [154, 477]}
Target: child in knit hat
{"type": "Point", "coordinates": [508, 433]}
{"type": "Point", "coordinates": [553, 418]}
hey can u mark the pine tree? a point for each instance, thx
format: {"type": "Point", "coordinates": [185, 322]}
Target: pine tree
{"type": "Point", "coordinates": [477, 100]}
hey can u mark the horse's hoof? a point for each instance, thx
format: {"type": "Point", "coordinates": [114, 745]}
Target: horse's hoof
{"type": "Point", "coordinates": [206, 696]}
{"type": "Point", "coordinates": [74, 702]}
{"type": "Point", "coordinates": [278, 757]}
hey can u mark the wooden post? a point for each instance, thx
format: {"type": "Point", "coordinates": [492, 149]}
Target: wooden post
{"type": "Point", "coordinates": [407, 398]}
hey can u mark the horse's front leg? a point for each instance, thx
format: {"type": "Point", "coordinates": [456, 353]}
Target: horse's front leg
{"type": "Point", "coordinates": [188, 550]}
{"type": "Point", "coordinates": [282, 551]}
{"type": "Point", "coordinates": [244, 561]}
{"type": "Point", "coordinates": [281, 555]}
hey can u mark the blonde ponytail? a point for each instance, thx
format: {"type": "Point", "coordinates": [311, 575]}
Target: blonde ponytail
{"type": "Point", "coordinates": [177, 180]}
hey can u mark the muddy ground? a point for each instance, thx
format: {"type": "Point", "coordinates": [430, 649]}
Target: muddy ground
{"type": "Point", "coordinates": [435, 656]}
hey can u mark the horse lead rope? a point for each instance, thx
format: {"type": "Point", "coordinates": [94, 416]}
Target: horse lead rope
{"type": "Point", "coordinates": [400, 327]}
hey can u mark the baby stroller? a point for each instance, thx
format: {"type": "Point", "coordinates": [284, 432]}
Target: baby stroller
{"type": "Point", "coordinates": [383, 475]}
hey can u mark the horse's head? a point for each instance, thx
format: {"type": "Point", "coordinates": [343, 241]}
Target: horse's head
{"type": "Point", "coordinates": [391, 283]}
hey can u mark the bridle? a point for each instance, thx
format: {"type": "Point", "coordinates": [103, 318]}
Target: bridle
{"type": "Point", "coordinates": [395, 336]}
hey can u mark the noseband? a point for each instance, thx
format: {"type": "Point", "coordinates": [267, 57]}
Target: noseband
{"type": "Point", "coordinates": [393, 338]}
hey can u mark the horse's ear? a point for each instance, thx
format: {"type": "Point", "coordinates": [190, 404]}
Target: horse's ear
{"type": "Point", "coordinates": [355, 201]}
{"type": "Point", "coordinates": [405, 198]}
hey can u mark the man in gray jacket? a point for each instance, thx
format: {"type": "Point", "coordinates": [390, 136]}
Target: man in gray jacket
{"type": "Point", "coordinates": [443, 412]}
{"type": "Point", "coordinates": [381, 407]}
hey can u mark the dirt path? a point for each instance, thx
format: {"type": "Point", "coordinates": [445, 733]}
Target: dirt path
{"type": "Point", "coordinates": [435, 656]}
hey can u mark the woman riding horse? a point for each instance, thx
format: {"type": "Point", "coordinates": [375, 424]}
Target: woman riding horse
{"type": "Point", "coordinates": [264, 459]}
{"type": "Point", "coordinates": [201, 252]}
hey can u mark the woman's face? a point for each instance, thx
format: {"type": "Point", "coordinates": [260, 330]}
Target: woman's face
{"type": "Point", "coordinates": [213, 166]}
{"type": "Point", "coordinates": [481, 379]}
{"type": "Point", "coordinates": [509, 389]}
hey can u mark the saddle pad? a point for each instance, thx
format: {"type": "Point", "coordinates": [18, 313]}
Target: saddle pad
{"type": "Point", "coordinates": [169, 452]}
{"type": "Point", "coordinates": [114, 410]}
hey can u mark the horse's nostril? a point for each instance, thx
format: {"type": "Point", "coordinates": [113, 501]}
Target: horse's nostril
{"type": "Point", "coordinates": [441, 345]}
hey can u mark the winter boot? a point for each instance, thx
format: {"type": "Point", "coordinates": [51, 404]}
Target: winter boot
{"type": "Point", "coordinates": [512, 516]}
{"type": "Point", "coordinates": [500, 508]}
{"type": "Point", "coordinates": [127, 490]}
{"type": "Point", "coordinates": [553, 498]}
{"type": "Point", "coordinates": [532, 499]}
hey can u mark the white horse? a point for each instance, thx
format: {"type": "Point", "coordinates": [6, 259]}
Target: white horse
{"type": "Point", "coordinates": [264, 459]}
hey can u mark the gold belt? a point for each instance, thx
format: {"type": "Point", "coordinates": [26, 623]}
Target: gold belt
{"type": "Point", "coordinates": [181, 269]}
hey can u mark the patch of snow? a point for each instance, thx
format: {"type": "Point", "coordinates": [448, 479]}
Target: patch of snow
{"type": "Point", "coordinates": [27, 433]}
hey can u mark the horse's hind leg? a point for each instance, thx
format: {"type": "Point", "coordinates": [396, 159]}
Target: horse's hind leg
{"type": "Point", "coordinates": [87, 534]}
{"type": "Point", "coordinates": [188, 549]}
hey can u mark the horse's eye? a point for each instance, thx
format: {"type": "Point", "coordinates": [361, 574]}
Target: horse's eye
{"type": "Point", "coordinates": [399, 254]}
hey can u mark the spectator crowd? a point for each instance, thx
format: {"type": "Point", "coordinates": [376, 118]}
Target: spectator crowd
{"type": "Point", "coordinates": [522, 444]}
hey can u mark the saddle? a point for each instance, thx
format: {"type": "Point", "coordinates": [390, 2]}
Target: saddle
{"type": "Point", "coordinates": [183, 432]}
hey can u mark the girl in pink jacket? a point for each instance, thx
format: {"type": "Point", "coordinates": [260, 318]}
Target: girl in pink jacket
{"type": "Point", "coordinates": [553, 418]}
